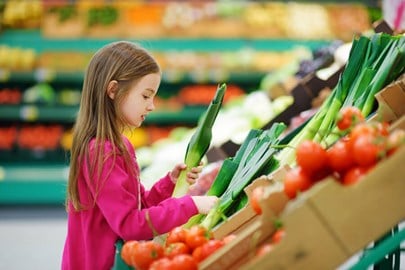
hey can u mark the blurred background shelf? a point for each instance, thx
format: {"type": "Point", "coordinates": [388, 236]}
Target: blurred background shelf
{"type": "Point", "coordinates": [67, 114]}
{"type": "Point", "coordinates": [169, 77]}
{"type": "Point", "coordinates": [34, 39]}
{"type": "Point", "coordinates": [27, 184]}
{"type": "Point", "coordinates": [45, 55]}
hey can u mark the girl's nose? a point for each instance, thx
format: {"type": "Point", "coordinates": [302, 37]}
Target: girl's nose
{"type": "Point", "coordinates": [151, 106]}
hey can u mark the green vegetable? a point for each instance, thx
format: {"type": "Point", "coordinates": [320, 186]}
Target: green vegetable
{"type": "Point", "coordinates": [257, 157]}
{"type": "Point", "coordinates": [200, 141]}
{"type": "Point", "coordinates": [225, 174]}
{"type": "Point", "coordinates": [373, 63]}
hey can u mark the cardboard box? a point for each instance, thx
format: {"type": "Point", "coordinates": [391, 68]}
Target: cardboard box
{"type": "Point", "coordinates": [329, 223]}
{"type": "Point", "coordinates": [307, 244]}
{"type": "Point", "coordinates": [391, 101]}
{"type": "Point", "coordinates": [360, 214]}
{"type": "Point", "coordinates": [242, 248]}
{"type": "Point", "coordinates": [250, 229]}
{"type": "Point", "coordinates": [246, 216]}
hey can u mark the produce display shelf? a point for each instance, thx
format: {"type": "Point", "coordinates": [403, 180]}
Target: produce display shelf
{"type": "Point", "coordinates": [33, 184]}
{"type": "Point", "coordinates": [76, 77]}
{"type": "Point", "coordinates": [34, 39]}
{"type": "Point", "coordinates": [67, 114]}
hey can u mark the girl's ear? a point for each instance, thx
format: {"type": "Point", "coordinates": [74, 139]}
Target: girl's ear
{"type": "Point", "coordinates": [112, 88]}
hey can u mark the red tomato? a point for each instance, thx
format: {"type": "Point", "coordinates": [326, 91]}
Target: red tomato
{"type": "Point", "coordinates": [382, 128]}
{"type": "Point", "coordinates": [354, 175]}
{"type": "Point", "coordinates": [177, 234]}
{"type": "Point", "coordinates": [340, 158]}
{"type": "Point", "coordinates": [211, 246]}
{"type": "Point", "coordinates": [254, 199]}
{"type": "Point", "coordinates": [127, 251]}
{"type": "Point", "coordinates": [197, 235]}
{"type": "Point", "coordinates": [311, 157]}
{"type": "Point", "coordinates": [360, 130]}
{"type": "Point", "coordinates": [174, 249]}
{"type": "Point", "coordinates": [198, 254]}
{"type": "Point", "coordinates": [264, 249]}
{"type": "Point", "coordinates": [145, 253]}
{"type": "Point", "coordinates": [184, 262]}
{"type": "Point", "coordinates": [295, 181]}
{"type": "Point", "coordinates": [278, 235]}
{"type": "Point", "coordinates": [368, 149]}
{"type": "Point", "coordinates": [205, 250]}
{"type": "Point", "coordinates": [348, 117]}
{"type": "Point", "coordinates": [161, 264]}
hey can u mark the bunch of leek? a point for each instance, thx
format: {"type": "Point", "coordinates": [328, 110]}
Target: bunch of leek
{"type": "Point", "coordinates": [200, 141]}
{"type": "Point", "coordinates": [225, 174]}
{"type": "Point", "coordinates": [373, 63]}
{"type": "Point", "coordinates": [254, 158]}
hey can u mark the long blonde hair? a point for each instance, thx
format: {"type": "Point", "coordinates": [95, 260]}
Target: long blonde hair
{"type": "Point", "coordinates": [99, 116]}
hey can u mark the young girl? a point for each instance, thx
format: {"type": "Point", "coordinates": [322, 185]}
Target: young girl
{"type": "Point", "coordinates": [105, 199]}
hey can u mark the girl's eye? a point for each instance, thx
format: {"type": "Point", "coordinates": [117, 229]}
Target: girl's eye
{"type": "Point", "coordinates": [145, 97]}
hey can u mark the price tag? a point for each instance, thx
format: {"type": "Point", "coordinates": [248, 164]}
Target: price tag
{"type": "Point", "coordinates": [4, 75]}
{"type": "Point", "coordinates": [44, 75]}
{"type": "Point", "coordinates": [29, 113]}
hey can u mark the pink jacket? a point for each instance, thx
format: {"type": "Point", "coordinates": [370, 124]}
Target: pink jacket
{"type": "Point", "coordinates": [91, 233]}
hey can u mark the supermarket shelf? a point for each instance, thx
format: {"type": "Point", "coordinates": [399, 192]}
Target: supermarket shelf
{"type": "Point", "coordinates": [169, 76]}
{"type": "Point", "coordinates": [67, 114]}
{"type": "Point", "coordinates": [40, 184]}
{"type": "Point", "coordinates": [32, 113]}
{"type": "Point", "coordinates": [33, 39]}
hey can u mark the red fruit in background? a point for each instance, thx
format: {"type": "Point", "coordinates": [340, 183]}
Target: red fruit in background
{"type": "Point", "coordinates": [175, 249]}
{"type": "Point", "coordinates": [349, 117]}
{"type": "Point", "coordinates": [146, 252]}
{"type": "Point", "coordinates": [205, 250]}
{"type": "Point", "coordinates": [184, 262]}
{"type": "Point", "coordinates": [254, 199]}
{"type": "Point", "coordinates": [340, 158]}
{"type": "Point", "coordinates": [295, 181]}
{"type": "Point", "coordinates": [197, 235]}
{"type": "Point", "coordinates": [177, 234]}
{"type": "Point", "coordinates": [127, 251]}
{"type": "Point", "coordinates": [354, 175]}
{"type": "Point", "coordinates": [278, 235]}
{"type": "Point", "coordinates": [161, 264]}
{"type": "Point", "coordinates": [368, 149]}
{"type": "Point", "coordinates": [311, 157]}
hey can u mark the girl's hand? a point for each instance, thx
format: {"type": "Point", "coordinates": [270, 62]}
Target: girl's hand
{"type": "Point", "coordinates": [191, 176]}
{"type": "Point", "coordinates": [205, 203]}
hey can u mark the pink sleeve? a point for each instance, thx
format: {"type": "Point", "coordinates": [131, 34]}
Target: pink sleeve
{"type": "Point", "coordinates": [160, 191]}
{"type": "Point", "coordinates": [117, 199]}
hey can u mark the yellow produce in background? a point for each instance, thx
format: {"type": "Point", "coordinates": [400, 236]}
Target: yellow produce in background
{"type": "Point", "coordinates": [138, 137]}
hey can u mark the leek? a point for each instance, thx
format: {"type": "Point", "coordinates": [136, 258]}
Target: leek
{"type": "Point", "coordinates": [200, 141]}
{"type": "Point", "coordinates": [225, 174]}
{"type": "Point", "coordinates": [373, 63]}
{"type": "Point", "coordinates": [258, 156]}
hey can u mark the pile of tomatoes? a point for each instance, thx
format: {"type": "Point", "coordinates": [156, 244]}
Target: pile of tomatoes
{"type": "Point", "coordinates": [183, 249]}
{"type": "Point", "coordinates": [351, 157]}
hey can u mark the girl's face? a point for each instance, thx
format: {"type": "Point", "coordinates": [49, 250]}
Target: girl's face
{"type": "Point", "coordinates": [139, 101]}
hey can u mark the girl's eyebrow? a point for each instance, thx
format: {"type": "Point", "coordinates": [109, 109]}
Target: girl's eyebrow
{"type": "Point", "coordinates": [150, 90]}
